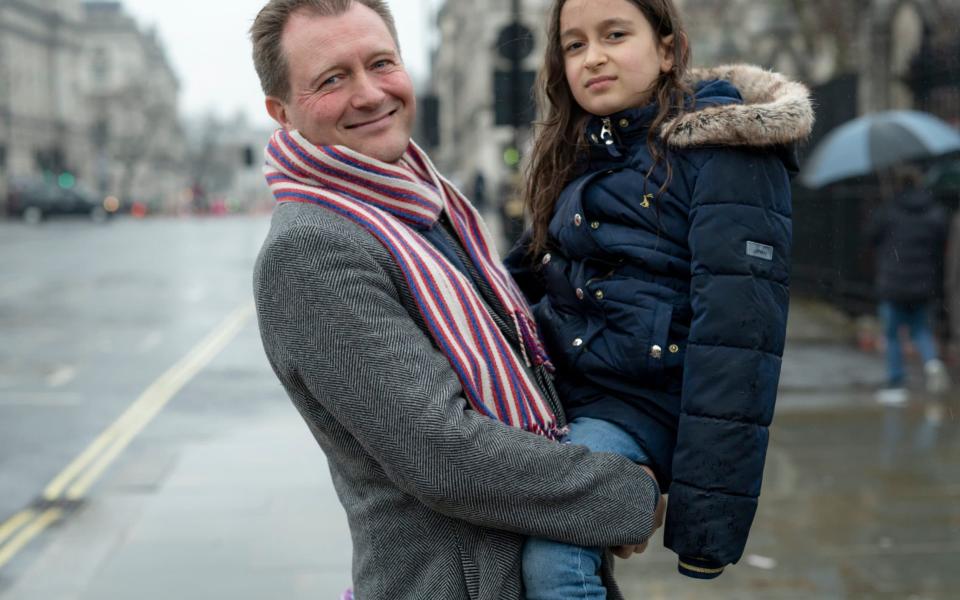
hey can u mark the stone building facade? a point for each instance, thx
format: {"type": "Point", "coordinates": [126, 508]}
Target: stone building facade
{"type": "Point", "coordinates": [131, 93]}
{"type": "Point", "coordinates": [43, 122]}
{"type": "Point", "coordinates": [83, 90]}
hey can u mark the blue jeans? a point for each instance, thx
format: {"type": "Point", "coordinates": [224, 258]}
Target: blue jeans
{"type": "Point", "coordinates": [557, 571]}
{"type": "Point", "coordinates": [917, 318]}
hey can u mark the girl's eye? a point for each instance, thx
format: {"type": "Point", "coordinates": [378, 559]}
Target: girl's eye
{"type": "Point", "coordinates": [574, 46]}
{"type": "Point", "coordinates": [616, 35]}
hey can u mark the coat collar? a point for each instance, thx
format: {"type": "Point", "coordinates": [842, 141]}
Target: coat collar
{"type": "Point", "coordinates": [774, 111]}
{"type": "Point", "coordinates": [733, 105]}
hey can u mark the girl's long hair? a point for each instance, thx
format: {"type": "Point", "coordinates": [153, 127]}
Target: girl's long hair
{"type": "Point", "coordinates": [559, 138]}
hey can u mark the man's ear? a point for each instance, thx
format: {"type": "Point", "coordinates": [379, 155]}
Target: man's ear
{"type": "Point", "coordinates": [666, 53]}
{"type": "Point", "coordinates": [278, 111]}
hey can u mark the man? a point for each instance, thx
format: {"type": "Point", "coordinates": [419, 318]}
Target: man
{"type": "Point", "coordinates": [386, 315]}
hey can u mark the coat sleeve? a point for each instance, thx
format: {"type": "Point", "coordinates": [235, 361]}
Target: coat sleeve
{"type": "Point", "coordinates": [341, 340]}
{"type": "Point", "coordinates": [739, 238]}
{"type": "Point", "coordinates": [523, 268]}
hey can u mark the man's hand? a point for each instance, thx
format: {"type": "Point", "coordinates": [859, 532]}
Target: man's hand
{"type": "Point", "coordinates": [658, 515]}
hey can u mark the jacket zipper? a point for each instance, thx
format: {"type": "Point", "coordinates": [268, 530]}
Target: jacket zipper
{"type": "Point", "coordinates": [606, 134]}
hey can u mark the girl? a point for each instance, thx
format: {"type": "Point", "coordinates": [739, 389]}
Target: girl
{"type": "Point", "coordinates": [658, 262]}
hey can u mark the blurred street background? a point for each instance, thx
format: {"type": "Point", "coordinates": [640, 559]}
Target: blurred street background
{"type": "Point", "coordinates": [147, 450]}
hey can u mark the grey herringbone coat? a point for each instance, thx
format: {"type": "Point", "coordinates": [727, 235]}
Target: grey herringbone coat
{"type": "Point", "coordinates": [438, 497]}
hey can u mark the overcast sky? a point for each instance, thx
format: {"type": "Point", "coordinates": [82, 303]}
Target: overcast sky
{"type": "Point", "coordinates": [208, 46]}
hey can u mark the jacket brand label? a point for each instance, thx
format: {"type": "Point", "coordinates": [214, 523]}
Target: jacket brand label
{"type": "Point", "coordinates": [761, 251]}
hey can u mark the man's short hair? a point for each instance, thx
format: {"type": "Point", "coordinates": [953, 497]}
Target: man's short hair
{"type": "Point", "coordinates": [267, 31]}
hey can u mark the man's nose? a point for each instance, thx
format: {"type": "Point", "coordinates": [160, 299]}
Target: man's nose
{"type": "Point", "coordinates": [367, 93]}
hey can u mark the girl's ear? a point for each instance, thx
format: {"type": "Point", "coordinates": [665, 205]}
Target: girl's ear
{"type": "Point", "coordinates": [666, 53]}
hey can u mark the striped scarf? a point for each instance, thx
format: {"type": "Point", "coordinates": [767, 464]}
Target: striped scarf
{"type": "Point", "coordinates": [392, 202]}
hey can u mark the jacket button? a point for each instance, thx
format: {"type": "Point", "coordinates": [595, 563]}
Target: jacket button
{"type": "Point", "coordinates": [656, 352]}
{"type": "Point", "coordinates": [674, 348]}
{"type": "Point", "coordinates": [624, 123]}
{"type": "Point", "coordinates": [546, 258]}
{"type": "Point", "coordinates": [595, 225]}
{"type": "Point", "coordinates": [577, 219]}
{"type": "Point", "coordinates": [577, 343]}
{"type": "Point", "coordinates": [598, 295]}
{"type": "Point", "coordinates": [580, 294]}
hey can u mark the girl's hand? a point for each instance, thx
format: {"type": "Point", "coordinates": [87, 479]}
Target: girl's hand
{"type": "Point", "coordinates": [658, 515]}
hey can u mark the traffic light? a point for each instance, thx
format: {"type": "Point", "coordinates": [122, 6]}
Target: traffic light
{"type": "Point", "coordinates": [66, 180]}
{"type": "Point", "coordinates": [428, 113]}
{"type": "Point", "coordinates": [513, 86]}
{"type": "Point", "coordinates": [479, 198]}
{"type": "Point", "coordinates": [248, 156]}
{"type": "Point", "coordinates": [511, 156]}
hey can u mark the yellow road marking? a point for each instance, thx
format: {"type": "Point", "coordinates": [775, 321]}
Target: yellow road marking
{"type": "Point", "coordinates": [46, 518]}
{"type": "Point", "coordinates": [15, 522]}
{"type": "Point", "coordinates": [77, 478]}
{"type": "Point", "coordinates": [159, 394]}
{"type": "Point", "coordinates": [116, 437]}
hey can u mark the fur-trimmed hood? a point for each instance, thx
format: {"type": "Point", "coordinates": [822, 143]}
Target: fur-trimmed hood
{"type": "Point", "coordinates": [775, 111]}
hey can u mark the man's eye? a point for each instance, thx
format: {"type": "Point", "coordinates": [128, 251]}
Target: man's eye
{"type": "Point", "coordinates": [382, 64]}
{"type": "Point", "coordinates": [330, 81]}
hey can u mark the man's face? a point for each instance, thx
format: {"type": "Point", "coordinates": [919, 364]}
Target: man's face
{"type": "Point", "coordinates": [348, 85]}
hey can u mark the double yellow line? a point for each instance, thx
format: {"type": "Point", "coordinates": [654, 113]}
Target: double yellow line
{"type": "Point", "coordinates": [76, 479]}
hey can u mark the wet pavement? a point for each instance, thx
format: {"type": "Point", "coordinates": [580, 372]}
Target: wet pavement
{"type": "Point", "coordinates": [858, 502]}
{"type": "Point", "coordinates": [225, 494]}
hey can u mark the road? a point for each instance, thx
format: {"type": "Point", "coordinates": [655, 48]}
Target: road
{"type": "Point", "coordinates": [147, 451]}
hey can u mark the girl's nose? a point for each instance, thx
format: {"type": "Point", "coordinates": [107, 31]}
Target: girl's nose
{"type": "Point", "coordinates": [595, 57]}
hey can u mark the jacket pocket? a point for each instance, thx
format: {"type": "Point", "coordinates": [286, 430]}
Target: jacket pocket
{"type": "Point", "coordinates": [634, 340]}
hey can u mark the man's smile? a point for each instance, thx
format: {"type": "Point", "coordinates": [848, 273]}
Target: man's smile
{"type": "Point", "coordinates": [373, 122]}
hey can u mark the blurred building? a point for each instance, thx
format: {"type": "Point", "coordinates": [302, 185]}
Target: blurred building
{"type": "Point", "coordinates": [470, 147]}
{"type": "Point", "coordinates": [130, 90]}
{"type": "Point", "coordinates": [226, 166]}
{"type": "Point", "coordinates": [884, 54]}
{"type": "Point", "coordinates": [44, 123]}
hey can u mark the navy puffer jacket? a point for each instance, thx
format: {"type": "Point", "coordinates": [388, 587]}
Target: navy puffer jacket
{"type": "Point", "coordinates": [665, 313]}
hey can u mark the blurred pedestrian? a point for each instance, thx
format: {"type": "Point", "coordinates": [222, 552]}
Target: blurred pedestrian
{"type": "Point", "coordinates": [659, 261]}
{"type": "Point", "coordinates": [909, 235]}
{"type": "Point", "coordinates": [388, 318]}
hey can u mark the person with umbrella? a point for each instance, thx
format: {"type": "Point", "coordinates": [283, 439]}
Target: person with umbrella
{"type": "Point", "coordinates": [909, 231]}
{"type": "Point", "coordinates": [909, 234]}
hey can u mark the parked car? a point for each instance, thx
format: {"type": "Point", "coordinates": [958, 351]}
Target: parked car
{"type": "Point", "coordinates": [34, 199]}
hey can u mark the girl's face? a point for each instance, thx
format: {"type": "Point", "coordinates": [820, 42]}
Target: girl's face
{"type": "Point", "coordinates": [612, 56]}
